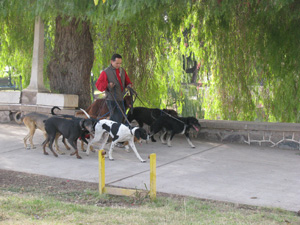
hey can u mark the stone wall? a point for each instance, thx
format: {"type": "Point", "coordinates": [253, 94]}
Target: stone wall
{"type": "Point", "coordinates": [8, 111]}
{"type": "Point", "coordinates": [5, 116]}
{"type": "Point", "coordinates": [280, 135]}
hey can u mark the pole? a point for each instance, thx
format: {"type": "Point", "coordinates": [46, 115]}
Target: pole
{"type": "Point", "coordinates": [101, 160]}
{"type": "Point", "coordinates": [153, 176]}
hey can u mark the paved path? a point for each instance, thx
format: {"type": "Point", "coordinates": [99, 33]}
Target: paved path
{"type": "Point", "coordinates": [227, 172]}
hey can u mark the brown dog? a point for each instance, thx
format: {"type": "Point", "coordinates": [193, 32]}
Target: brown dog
{"type": "Point", "coordinates": [99, 110]}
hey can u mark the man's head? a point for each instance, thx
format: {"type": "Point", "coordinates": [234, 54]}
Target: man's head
{"type": "Point", "coordinates": [116, 61]}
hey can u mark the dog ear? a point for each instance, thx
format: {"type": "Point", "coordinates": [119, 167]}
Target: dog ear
{"type": "Point", "coordinates": [81, 124]}
{"type": "Point", "coordinates": [137, 134]}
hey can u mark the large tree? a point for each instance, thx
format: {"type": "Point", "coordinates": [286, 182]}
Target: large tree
{"type": "Point", "coordinates": [69, 69]}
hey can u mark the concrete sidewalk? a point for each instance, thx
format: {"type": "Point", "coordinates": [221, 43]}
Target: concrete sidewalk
{"type": "Point", "coordinates": [227, 172]}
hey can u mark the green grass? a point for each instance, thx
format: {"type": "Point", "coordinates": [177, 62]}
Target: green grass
{"type": "Point", "coordinates": [30, 208]}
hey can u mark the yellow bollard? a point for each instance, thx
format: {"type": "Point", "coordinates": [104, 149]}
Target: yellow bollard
{"type": "Point", "coordinates": [153, 176]}
{"type": "Point", "coordinates": [101, 160]}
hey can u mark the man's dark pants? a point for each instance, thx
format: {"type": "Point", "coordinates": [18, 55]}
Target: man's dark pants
{"type": "Point", "coordinates": [115, 112]}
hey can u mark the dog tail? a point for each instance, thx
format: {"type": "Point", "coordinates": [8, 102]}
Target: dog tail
{"type": "Point", "coordinates": [52, 110]}
{"type": "Point", "coordinates": [87, 115]}
{"type": "Point", "coordinates": [18, 117]}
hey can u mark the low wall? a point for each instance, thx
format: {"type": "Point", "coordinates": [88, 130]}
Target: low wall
{"type": "Point", "coordinates": [280, 135]}
{"type": "Point", "coordinates": [11, 102]}
{"type": "Point", "coordinates": [8, 111]}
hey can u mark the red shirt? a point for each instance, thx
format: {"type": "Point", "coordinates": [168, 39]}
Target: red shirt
{"type": "Point", "coordinates": [102, 82]}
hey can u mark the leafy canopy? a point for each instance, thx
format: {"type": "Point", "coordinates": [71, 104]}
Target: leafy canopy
{"type": "Point", "coordinates": [248, 50]}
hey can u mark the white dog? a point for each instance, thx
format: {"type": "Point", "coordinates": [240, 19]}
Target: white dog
{"type": "Point", "coordinates": [119, 133]}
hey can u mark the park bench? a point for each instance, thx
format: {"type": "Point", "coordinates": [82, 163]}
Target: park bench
{"type": "Point", "coordinates": [6, 83]}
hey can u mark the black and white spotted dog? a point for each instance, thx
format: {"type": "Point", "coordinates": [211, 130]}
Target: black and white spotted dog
{"type": "Point", "coordinates": [174, 125]}
{"type": "Point", "coordinates": [119, 133]}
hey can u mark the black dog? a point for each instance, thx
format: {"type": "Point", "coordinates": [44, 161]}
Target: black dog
{"type": "Point", "coordinates": [84, 134]}
{"type": "Point", "coordinates": [148, 115]}
{"type": "Point", "coordinates": [179, 125]}
{"type": "Point", "coordinates": [71, 129]}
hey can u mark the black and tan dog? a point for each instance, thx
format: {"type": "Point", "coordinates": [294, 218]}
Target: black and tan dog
{"type": "Point", "coordinates": [84, 134]}
{"type": "Point", "coordinates": [71, 129]}
{"type": "Point", "coordinates": [34, 121]}
{"type": "Point", "coordinates": [147, 116]}
{"type": "Point", "coordinates": [174, 125]}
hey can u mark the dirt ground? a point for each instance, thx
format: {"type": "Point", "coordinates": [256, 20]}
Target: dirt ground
{"type": "Point", "coordinates": [72, 191]}
{"type": "Point", "coordinates": [43, 183]}
{"type": "Point", "coordinates": [61, 189]}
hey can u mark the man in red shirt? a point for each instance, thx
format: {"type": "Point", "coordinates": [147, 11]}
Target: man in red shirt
{"type": "Point", "coordinates": [113, 80]}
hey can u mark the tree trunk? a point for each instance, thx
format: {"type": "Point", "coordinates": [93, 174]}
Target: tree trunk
{"type": "Point", "coordinates": [69, 70]}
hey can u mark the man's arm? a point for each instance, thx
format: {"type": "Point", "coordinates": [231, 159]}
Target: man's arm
{"type": "Point", "coordinates": [127, 80]}
{"type": "Point", "coordinates": [102, 83]}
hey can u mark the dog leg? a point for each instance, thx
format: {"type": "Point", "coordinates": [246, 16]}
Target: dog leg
{"type": "Point", "coordinates": [189, 140]}
{"type": "Point", "coordinates": [82, 146]}
{"type": "Point", "coordinates": [131, 144]}
{"type": "Point", "coordinates": [162, 137]}
{"type": "Point", "coordinates": [170, 139]}
{"type": "Point", "coordinates": [32, 131]}
{"type": "Point", "coordinates": [126, 146]}
{"type": "Point", "coordinates": [97, 137]}
{"type": "Point", "coordinates": [45, 135]}
{"type": "Point", "coordinates": [104, 141]}
{"type": "Point", "coordinates": [91, 147]}
{"type": "Point", "coordinates": [56, 144]}
{"type": "Point", "coordinates": [90, 144]}
{"type": "Point", "coordinates": [152, 133]}
{"type": "Point", "coordinates": [73, 143]}
{"type": "Point", "coordinates": [65, 143]}
{"type": "Point", "coordinates": [25, 141]}
{"type": "Point", "coordinates": [44, 145]}
{"type": "Point", "coordinates": [152, 138]}
{"type": "Point", "coordinates": [111, 150]}
{"type": "Point", "coordinates": [52, 138]}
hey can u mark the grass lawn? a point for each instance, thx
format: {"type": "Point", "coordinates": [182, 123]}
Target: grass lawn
{"type": "Point", "coordinates": [35, 199]}
{"type": "Point", "coordinates": [20, 206]}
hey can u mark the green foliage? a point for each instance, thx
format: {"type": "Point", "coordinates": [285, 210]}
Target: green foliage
{"type": "Point", "coordinates": [246, 45]}
{"type": "Point", "coordinates": [145, 38]}
{"type": "Point", "coordinates": [248, 50]}
{"type": "Point", "coordinates": [16, 38]}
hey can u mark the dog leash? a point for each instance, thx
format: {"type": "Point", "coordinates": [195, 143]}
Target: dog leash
{"type": "Point", "coordinates": [99, 117]}
{"type": "Point", "coordinates": [120, 108]}
{"type": "Point", "coordinates": [102, 116]}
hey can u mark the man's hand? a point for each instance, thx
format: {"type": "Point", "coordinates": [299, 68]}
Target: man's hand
{"type": "Point", "coordinates": [111, 84]}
